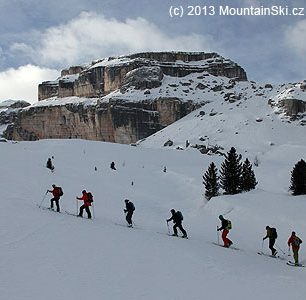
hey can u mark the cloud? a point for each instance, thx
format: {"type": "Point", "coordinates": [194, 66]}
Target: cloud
{"type": "Point", "coordinates": [22, 83]}
{"type": "Point", "coordinates": [295, 38]}
{"type": "Point", "coordinates": [90, 36]}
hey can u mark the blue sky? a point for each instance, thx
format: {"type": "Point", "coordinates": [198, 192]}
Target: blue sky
{"type": "Point", "coordinates": [39, 38]}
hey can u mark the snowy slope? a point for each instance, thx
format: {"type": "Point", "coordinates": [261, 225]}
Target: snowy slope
{"type": "Point", "coordinates": [46, 255]}
{"type": "Point", "coordinates": [250, 124]}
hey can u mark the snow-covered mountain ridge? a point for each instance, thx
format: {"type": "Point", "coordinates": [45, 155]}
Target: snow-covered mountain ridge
{"type": "Point", "coordinates": [253, 119]}
{"type": "Point", "coordinates": [128, 98]}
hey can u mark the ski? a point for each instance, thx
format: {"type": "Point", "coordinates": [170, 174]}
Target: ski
{"type": "Point", "coordinates": [124, 225]}
{"type": "Point", "coordinates": [75, 215]}
{"type": "Point", "coordinates": [230, 247]}
{"type": "Point", "coordinates": [127, 226]}
{"type": "Point", "coordinates": [270, 255]}
{"type": "Point", "coordinates": [292, 264]}
{"type": "Point", "coordinates": [48, 208]}
{"type": "Point", "coordinates": [173, 235]}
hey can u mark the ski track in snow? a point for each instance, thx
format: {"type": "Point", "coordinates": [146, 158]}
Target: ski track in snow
{"type": "Point", "coordinates": [48, 255]}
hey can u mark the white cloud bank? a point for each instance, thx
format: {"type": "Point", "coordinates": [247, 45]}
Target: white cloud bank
{"type": "Point", "coordinates": [88, 37]}
{"type": "Point", "coordinates": [295, 38]}
{"type": "Point", "coordinates": [22, 83]}
{"type": "Point", "coordinates": [91, 36]}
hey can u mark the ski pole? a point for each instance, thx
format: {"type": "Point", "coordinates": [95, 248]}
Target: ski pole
{"type": "Point", "coordinates": [43, 199]}
{"type": "Point", "coordinates": [168, 228]}
{"type": "Point", "coordinates": [93, 211]}
{"type": "Point", "coordinates": [279, 249]}
{"type": "Point", "coordinates": [289, 253]}
{"type": "Point", "coordinates": [218, 238]}
{"type": "Point", "coordinates": [125, 212]}
{"type": "Point", "coordinates": [262, 244]}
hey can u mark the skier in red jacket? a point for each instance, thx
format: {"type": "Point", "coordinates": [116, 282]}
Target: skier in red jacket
{"type": "Point", "coordinates": [295, 242]}
{"type": "Point", "coordinates": [57, 192]}
{"type": "Point", "coordinates": [86, 205]}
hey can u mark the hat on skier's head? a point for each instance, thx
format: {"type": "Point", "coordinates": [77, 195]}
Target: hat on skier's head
{"type": "Point", "coordinates": [267, 227]}
{"type": "Point", "coordinates": [172, 210]}
{"type": "Point", "coordinates": [126, 200]}
{"type": "Point", "coordinates": [83, 191]}
{"type": "Point", "coordinates": [293, 233]}
{"type": "Point", "coordinates": [53, 185]}
{"type": "Point", "coordinates": [221, 217]}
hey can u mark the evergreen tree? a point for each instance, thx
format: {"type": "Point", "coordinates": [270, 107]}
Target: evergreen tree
{"type": "Point", "coordinates": [210, 181]}
{"type": "Point", "coordinates": [231, 172]}
{"type": "Point", "coordinates": [248, 179]}
{"type": "Point", "coordinates": [298, 178]}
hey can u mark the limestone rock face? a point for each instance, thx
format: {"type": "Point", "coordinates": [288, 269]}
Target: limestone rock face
{"type": "Point", "coordinates": [293, 107]}
{"type": "Point", "coordinates": [291, 101]}
{"type": "Point", "coordinates": [117, 121]}
{"type": "Point", "coordinates": [134, 96]}
{"type": "Point", "coordinates": [104, 76]}
{"type": "Point", "coordinates": [143, 78]}
{"type": "Point", "coordinates": [9, 110]}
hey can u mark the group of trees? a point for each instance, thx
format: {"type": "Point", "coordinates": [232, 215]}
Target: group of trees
{"type": "Point", "coordinates": [235, 176]}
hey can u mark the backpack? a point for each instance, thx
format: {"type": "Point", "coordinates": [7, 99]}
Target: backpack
{"type": "Point", "coordinates": [229, 225]}
{"type": "Point", "coordinates": [132, 206]}
{"type": "Point", "coordinates": [179, 216]}
{"type": "Point", "coordinates": [274, 233]}
{"type": "Point", "coordinates": [61, 193]}
{"type": "Point", "coordinates": [90, 197]}
{"type": "Point", "coordinates": [296, 242]}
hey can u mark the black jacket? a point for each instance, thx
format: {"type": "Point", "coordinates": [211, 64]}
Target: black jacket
{"type": "Point", "coordinates": [175, 218]}
{"type": "Point", "coordinates": [129, 207]}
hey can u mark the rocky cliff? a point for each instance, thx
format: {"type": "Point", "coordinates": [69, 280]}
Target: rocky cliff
{"type": "Point", "coordinates": [124, 99]}
{"type": "Point", "coordinates": [115, 121]}
{"type": "Point", "coordinates": [107, 75]}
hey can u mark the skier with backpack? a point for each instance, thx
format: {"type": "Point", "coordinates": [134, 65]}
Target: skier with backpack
{"type": "Point", "coordinates": [129, 210]}
{"type": "Point", "coordinates": [49, 164]}
{"type": "Point", "coordinates": [88, 199]}
{"type": "Point", "coordinates": [226, 226]}
{"type": "Point", "coordinates": [112, 166]}
{"type": "Point", "coordinates": [177, 219]}
{"type": "Point", "coordinates": [272, 235]}
{"type": "Point", "coordinates": [57, 192]}
{"type": "Point", "coordinates": [295, 242]}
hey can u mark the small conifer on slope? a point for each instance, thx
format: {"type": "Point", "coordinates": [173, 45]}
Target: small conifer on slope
{"type": "Point", "coordinates": [210, 181]}
{"type": "Point", "coordinates": [230, 172]}
{"type": "Point", "coordinates": [298, 178]}
{"type": "Point", "coordinates": [248, 179]}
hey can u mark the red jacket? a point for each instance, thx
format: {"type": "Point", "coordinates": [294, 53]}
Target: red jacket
{"type": "Point", "coordinates": [295, 242]}
{"type": "Point", "coordinates": [85, 199]}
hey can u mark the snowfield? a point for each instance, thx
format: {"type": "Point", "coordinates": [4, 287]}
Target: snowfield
{"type": "Point", "coordinates": [48, 255]}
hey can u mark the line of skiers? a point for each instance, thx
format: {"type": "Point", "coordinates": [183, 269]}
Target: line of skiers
{"type": "Point", "coordinates": [87, 197]}
{"type": "Point", "coordinates": [177, 218]}
{"type": "Point", "coordinates": [294, 241]}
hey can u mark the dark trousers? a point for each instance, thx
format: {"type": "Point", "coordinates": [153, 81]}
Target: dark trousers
{"type": "Point", "coordinates": [179, 225]}
{"type": "Point", "coordinates": [296, 255]}
{"type": "Point", "coordinates": [271, 245]}
{"type": "Point", "coordinates": [56, 200]}
{"type": "Point", "coordinates": [87, 210]}
{"type": "Point", "coordinates": [129, 217]}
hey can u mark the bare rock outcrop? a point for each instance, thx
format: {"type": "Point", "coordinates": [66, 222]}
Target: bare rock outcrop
{"type": "Point", "coordinates": [116, 121]}
{"type": "Point", "coordinates": [131, 101]}
{"type": "Point", "coordinates": [104, 76]}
